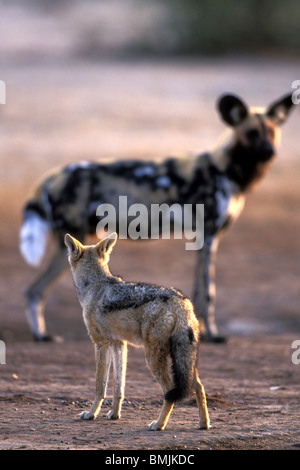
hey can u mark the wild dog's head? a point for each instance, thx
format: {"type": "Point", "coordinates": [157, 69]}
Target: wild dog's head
{"type": "Point", "coordinates": [255, 137]}
{"type": "Point", "coordinates": [89, 261]}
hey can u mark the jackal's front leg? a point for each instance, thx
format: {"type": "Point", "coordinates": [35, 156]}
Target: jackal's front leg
{"type": "Point", "coordinates": [119, 352]}
{"type": "Point", "coordinates": [103, 358]}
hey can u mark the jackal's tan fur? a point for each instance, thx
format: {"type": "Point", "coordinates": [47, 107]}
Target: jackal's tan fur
{"type": "Point", "coordinates": [116, 312]}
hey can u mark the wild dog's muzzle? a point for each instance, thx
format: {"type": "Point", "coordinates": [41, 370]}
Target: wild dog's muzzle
{"type": "Point", "coordinates": [266, 151]}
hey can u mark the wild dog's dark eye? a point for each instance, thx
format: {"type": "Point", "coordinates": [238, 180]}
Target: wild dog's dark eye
{"type": "Point", "coordinates": [252, 134]}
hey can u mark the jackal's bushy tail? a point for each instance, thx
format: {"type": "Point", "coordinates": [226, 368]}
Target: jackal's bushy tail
{"type": "Point", "coordinates": [33, 237]}
{"type": "Point", "coordinates": [184, 356]}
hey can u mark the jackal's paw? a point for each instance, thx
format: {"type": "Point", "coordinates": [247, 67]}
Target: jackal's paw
{"type": "Point", "coordinates": [204, 425]}
{"type": "Point", "coordinates": [87, 415]}
{"type": "Point", "coordinates": [112, 415]}
{"type": "Point", "coordinates": [154, 426]}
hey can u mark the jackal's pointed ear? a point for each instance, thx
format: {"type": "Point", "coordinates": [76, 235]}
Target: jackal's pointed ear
{"type": "Point", "coordinates": [74, 247]}
{"type": "Point", "coordinates": [105, 246]}
{"type": "Point", "coordinates": [279, 110]}
{"type": "Point", "coordinates": [232, 109]}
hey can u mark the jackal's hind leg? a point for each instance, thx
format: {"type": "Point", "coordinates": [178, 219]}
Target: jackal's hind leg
{"type": "Point", "coordinates": [103, 359]}
{"type": "Point", "coordinates": [201, 402]}
{"type": "Point", "coordinates": [158, 366]}
{"type": "Point", "coordinates": [163, 418]}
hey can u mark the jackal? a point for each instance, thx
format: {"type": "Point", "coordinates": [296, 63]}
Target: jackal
{"type": "Point", "coordinates": [66, 199]}
{"type": "Point", "coordinates": [116, 312]}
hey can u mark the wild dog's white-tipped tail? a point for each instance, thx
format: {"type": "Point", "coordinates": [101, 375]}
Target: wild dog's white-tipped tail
{"type": "Point", "coordinates": [33, 238]}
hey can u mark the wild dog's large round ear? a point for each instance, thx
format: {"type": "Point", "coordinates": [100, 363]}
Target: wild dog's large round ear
{"type": "Point", "coordinates": [105, 246]}
{"type": "Point", "coordinates": [279, 110]}
{"type": "Point", "coordinates": [232, 109]}
{"type": "Point", "coordinates": [74, 246]}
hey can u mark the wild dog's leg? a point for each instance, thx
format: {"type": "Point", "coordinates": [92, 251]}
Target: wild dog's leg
{"type": "Point", "coordinates": [205, 289]}
{"type": "Point", "coordinates": [35, 292]}
{"type": "Point", "coordinates": [159, 368]}
{"type": "Point", "coordinates": [103, 358]}
{"type": "Point", "coordinates": [119, 351]}
{"type": "Point", "coordinates": [201, 402]}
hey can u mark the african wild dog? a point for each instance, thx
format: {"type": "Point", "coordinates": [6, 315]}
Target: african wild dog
{"type": "Point", "coordinates": [116, 312]}
{"type": "Point", "coordinates": [66, 199]}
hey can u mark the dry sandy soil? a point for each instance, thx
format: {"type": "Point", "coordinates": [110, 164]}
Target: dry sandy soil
{"type": "Point", "coordinates": [59, 111]}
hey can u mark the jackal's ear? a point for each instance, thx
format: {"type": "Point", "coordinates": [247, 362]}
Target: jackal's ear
{"type": "Point", "coordinates": [74, 247]}
{"type": "Point", "coordinates": [105, 246]}
{"type": "Point", "coordinates": [279, 110]}
{"type": "Point", "coordinates": [232, 109]}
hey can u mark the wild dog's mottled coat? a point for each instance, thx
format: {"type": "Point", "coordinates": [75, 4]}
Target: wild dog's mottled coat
{"type": "Point", "coordinates": [116, 312]}
{"type": "Point", "coordinates": [66, 200]}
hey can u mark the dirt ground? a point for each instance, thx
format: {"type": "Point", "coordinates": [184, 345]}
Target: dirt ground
{"type": "Point", "coordinates": [61, 111]}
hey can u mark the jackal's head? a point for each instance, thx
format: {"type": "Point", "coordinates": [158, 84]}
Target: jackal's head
{"type": "Point", "coordinates": [89, 262]}
{"type": "Point", "coordinates": [255, 136]}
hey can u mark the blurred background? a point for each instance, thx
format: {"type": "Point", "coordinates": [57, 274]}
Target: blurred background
{"type": "Point", "coordinates": [109, 79]}
{"type": "Point", "coordinates": [98, 28]}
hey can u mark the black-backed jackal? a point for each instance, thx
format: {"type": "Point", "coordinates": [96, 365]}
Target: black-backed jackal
{"type": "Point", "coordinates": [66, 199]}
{"type": "Point", "coordinates": [116, 312]}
